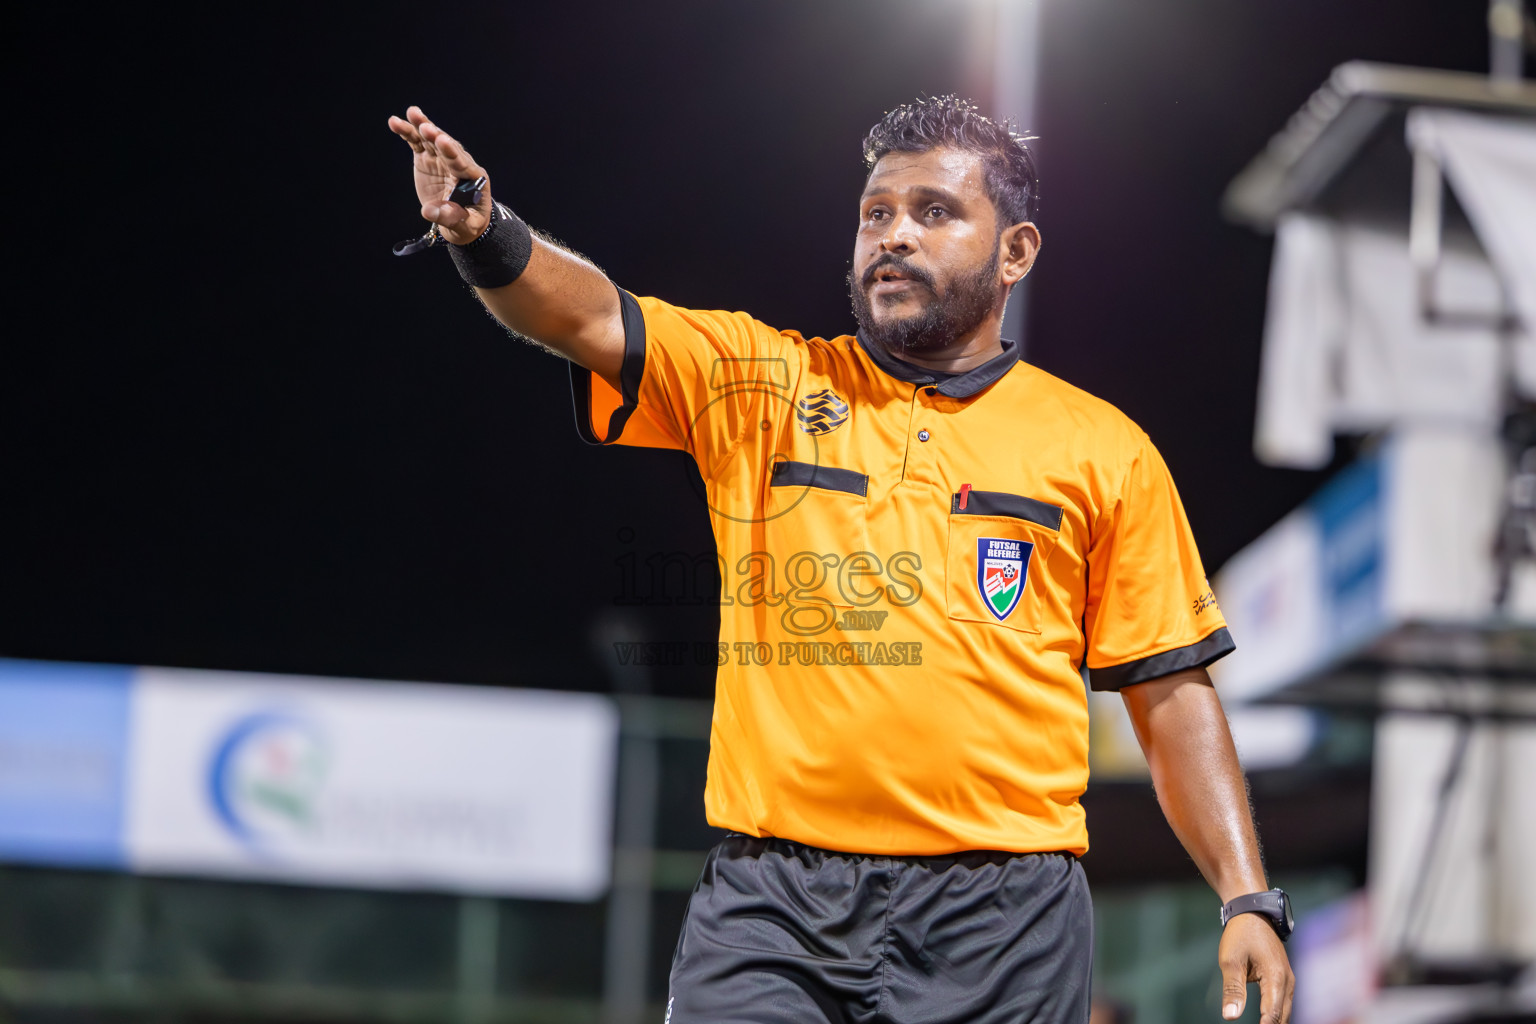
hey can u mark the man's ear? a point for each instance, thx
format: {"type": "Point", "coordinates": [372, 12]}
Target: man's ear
{"type": "Point", "coordinates": [1020, 244]}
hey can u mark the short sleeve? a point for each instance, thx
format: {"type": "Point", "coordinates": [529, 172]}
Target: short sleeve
{"type": "Point", "coordinates": [1150, 610]}
{"type": "Point", "coordinates": [690, 380]}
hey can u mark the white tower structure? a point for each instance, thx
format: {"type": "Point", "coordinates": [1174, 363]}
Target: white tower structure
{"type": "Point", "coordinates": [1402, 308]}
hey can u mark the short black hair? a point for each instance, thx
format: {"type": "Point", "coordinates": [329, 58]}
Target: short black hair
{"type": "Point", "coordinates": [924, 124]}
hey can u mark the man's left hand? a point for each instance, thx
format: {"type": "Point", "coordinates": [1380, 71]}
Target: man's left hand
{"type": "Point", "coordinates": [1251, 951]}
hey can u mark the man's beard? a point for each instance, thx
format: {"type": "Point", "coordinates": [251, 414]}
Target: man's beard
{"type": "Point", "coordinates": [965, 304]}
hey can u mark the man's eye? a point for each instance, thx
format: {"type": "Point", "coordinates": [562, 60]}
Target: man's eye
{"type": "Point", "coordinates": [936, 211]}
{"type": "Point", "coordinates": [876, 214]}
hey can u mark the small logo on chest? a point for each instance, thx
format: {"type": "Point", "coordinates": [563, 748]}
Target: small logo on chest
{"type": "Point", "coordinates": [1001, 567]}
{"type": "Point", "coordinates": [821, 412]}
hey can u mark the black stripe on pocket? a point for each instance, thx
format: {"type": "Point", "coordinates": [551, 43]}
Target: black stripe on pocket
{"type": "Point", "coordinates": [1000, 503]}
{"type": "Point", "coordinates": [805, 474]}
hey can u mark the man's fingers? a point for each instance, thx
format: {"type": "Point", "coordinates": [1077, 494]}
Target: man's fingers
{"type": "Point", "coordinates": [1234, 988]}
{"type": "Point", "coordinates": [431, 135]}
{"type": "Point", "coordinates": [406, 131]}
{"type": "Point", "coordinates": [451, 214]}
{"type": "Point", "coordinates": [452, 151]}
{"type": "Point", "coordinates": [1272, 1001]}
{"type": "Point", "coordinates": [448, 161]}
{"type": "Point", "coordinates": [463, 164]}
{"type": "Point", "coordinates": [444, 146]}
{"type": "Point", "coordinates": [444, 214]}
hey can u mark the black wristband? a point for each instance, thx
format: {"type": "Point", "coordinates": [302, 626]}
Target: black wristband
{"type": "Point", "coordinates": [501, 253]}
{"type": "Point", "coordinates": [1273, 906]}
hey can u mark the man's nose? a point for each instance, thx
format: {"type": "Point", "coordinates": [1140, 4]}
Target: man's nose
{"type": "Point", "coordinates": [901, 235]}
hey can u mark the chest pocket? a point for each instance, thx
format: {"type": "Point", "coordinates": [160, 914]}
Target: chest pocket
{"type": "Point", "coordinates": [817, 522]}
{"type": "Point", "coordinates": [995, 568]}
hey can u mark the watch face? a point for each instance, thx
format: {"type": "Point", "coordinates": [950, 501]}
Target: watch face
{"type": "Point", "coordinates": [1285, 909]}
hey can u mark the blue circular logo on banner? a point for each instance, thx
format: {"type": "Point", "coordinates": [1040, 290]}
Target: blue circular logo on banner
{"type": "Point", "coordinates": [266, 777]}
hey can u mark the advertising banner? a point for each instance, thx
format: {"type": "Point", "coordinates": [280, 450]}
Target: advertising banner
{"type": "Point", "coordinates": [322, 781]}
{"type": "Point", "coordinates": [63, 733]}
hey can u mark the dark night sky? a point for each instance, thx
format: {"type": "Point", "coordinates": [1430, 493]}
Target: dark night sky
{"type": "Point", "coordinates": [238, 433]}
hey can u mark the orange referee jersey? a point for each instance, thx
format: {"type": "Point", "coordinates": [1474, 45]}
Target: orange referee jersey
{"type": "Point", "coordinates": [915, 566]}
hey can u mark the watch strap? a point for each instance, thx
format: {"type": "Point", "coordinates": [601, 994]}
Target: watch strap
{"type": "Point", "coordinates": [1271, 905]}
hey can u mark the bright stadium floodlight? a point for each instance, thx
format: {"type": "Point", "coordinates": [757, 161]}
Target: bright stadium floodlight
{"type": "Point", "coordinates": [1005, 38]}
{"type": "Point", "coordinates": [1015, 75]}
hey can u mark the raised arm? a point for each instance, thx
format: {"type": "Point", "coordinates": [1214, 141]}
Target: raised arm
{"type": "Point", "coordinates": [1184, 733]}
{"type": "Point", "coordinates": [560, 300]}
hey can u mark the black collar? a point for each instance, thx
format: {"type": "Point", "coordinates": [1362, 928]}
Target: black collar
{"type": "Point", "coordinates": [960, 385]}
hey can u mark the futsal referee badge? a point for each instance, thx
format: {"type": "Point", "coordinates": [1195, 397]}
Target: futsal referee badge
{"type": "Point", "coordinates": [1000, 573]}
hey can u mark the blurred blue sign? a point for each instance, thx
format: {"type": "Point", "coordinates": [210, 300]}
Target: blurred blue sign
{"type": "Point", "coordinates": [324, 781]}
{"type": "Point", "coordinates": [63, 748]}
{"type": "Point", "coordinates": [1313, 587]}
{"type": "Point", "coordinates": [1349, 510]}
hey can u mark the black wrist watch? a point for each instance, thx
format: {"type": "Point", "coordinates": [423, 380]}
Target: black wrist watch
{"type": "Point", "coordinates": [1274, 906]}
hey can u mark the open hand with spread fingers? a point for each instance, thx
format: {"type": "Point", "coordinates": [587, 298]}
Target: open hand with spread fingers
{"type": "Point", "coordinates": [440, 164]}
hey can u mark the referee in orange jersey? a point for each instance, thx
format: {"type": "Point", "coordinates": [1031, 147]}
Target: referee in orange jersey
{"type": "Point", "coordinates": [924, 542]}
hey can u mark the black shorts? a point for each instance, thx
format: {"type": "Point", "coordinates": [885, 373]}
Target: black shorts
{"type": "Point", "coordinates": [782, 933]}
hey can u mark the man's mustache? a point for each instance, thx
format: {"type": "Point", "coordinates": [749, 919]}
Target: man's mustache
{"type": "Point", "coordinates": [902, 266]}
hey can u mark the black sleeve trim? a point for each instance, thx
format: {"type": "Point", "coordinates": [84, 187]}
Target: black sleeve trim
{"type": "Point", "coordinates": [1001, 503]}
{"type": "Point", "coordinates": [1197, 655]}
{"type": "Point", "coordinates": [630, 372]}
{"type": "Point", "coordinates": [804, 474]}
